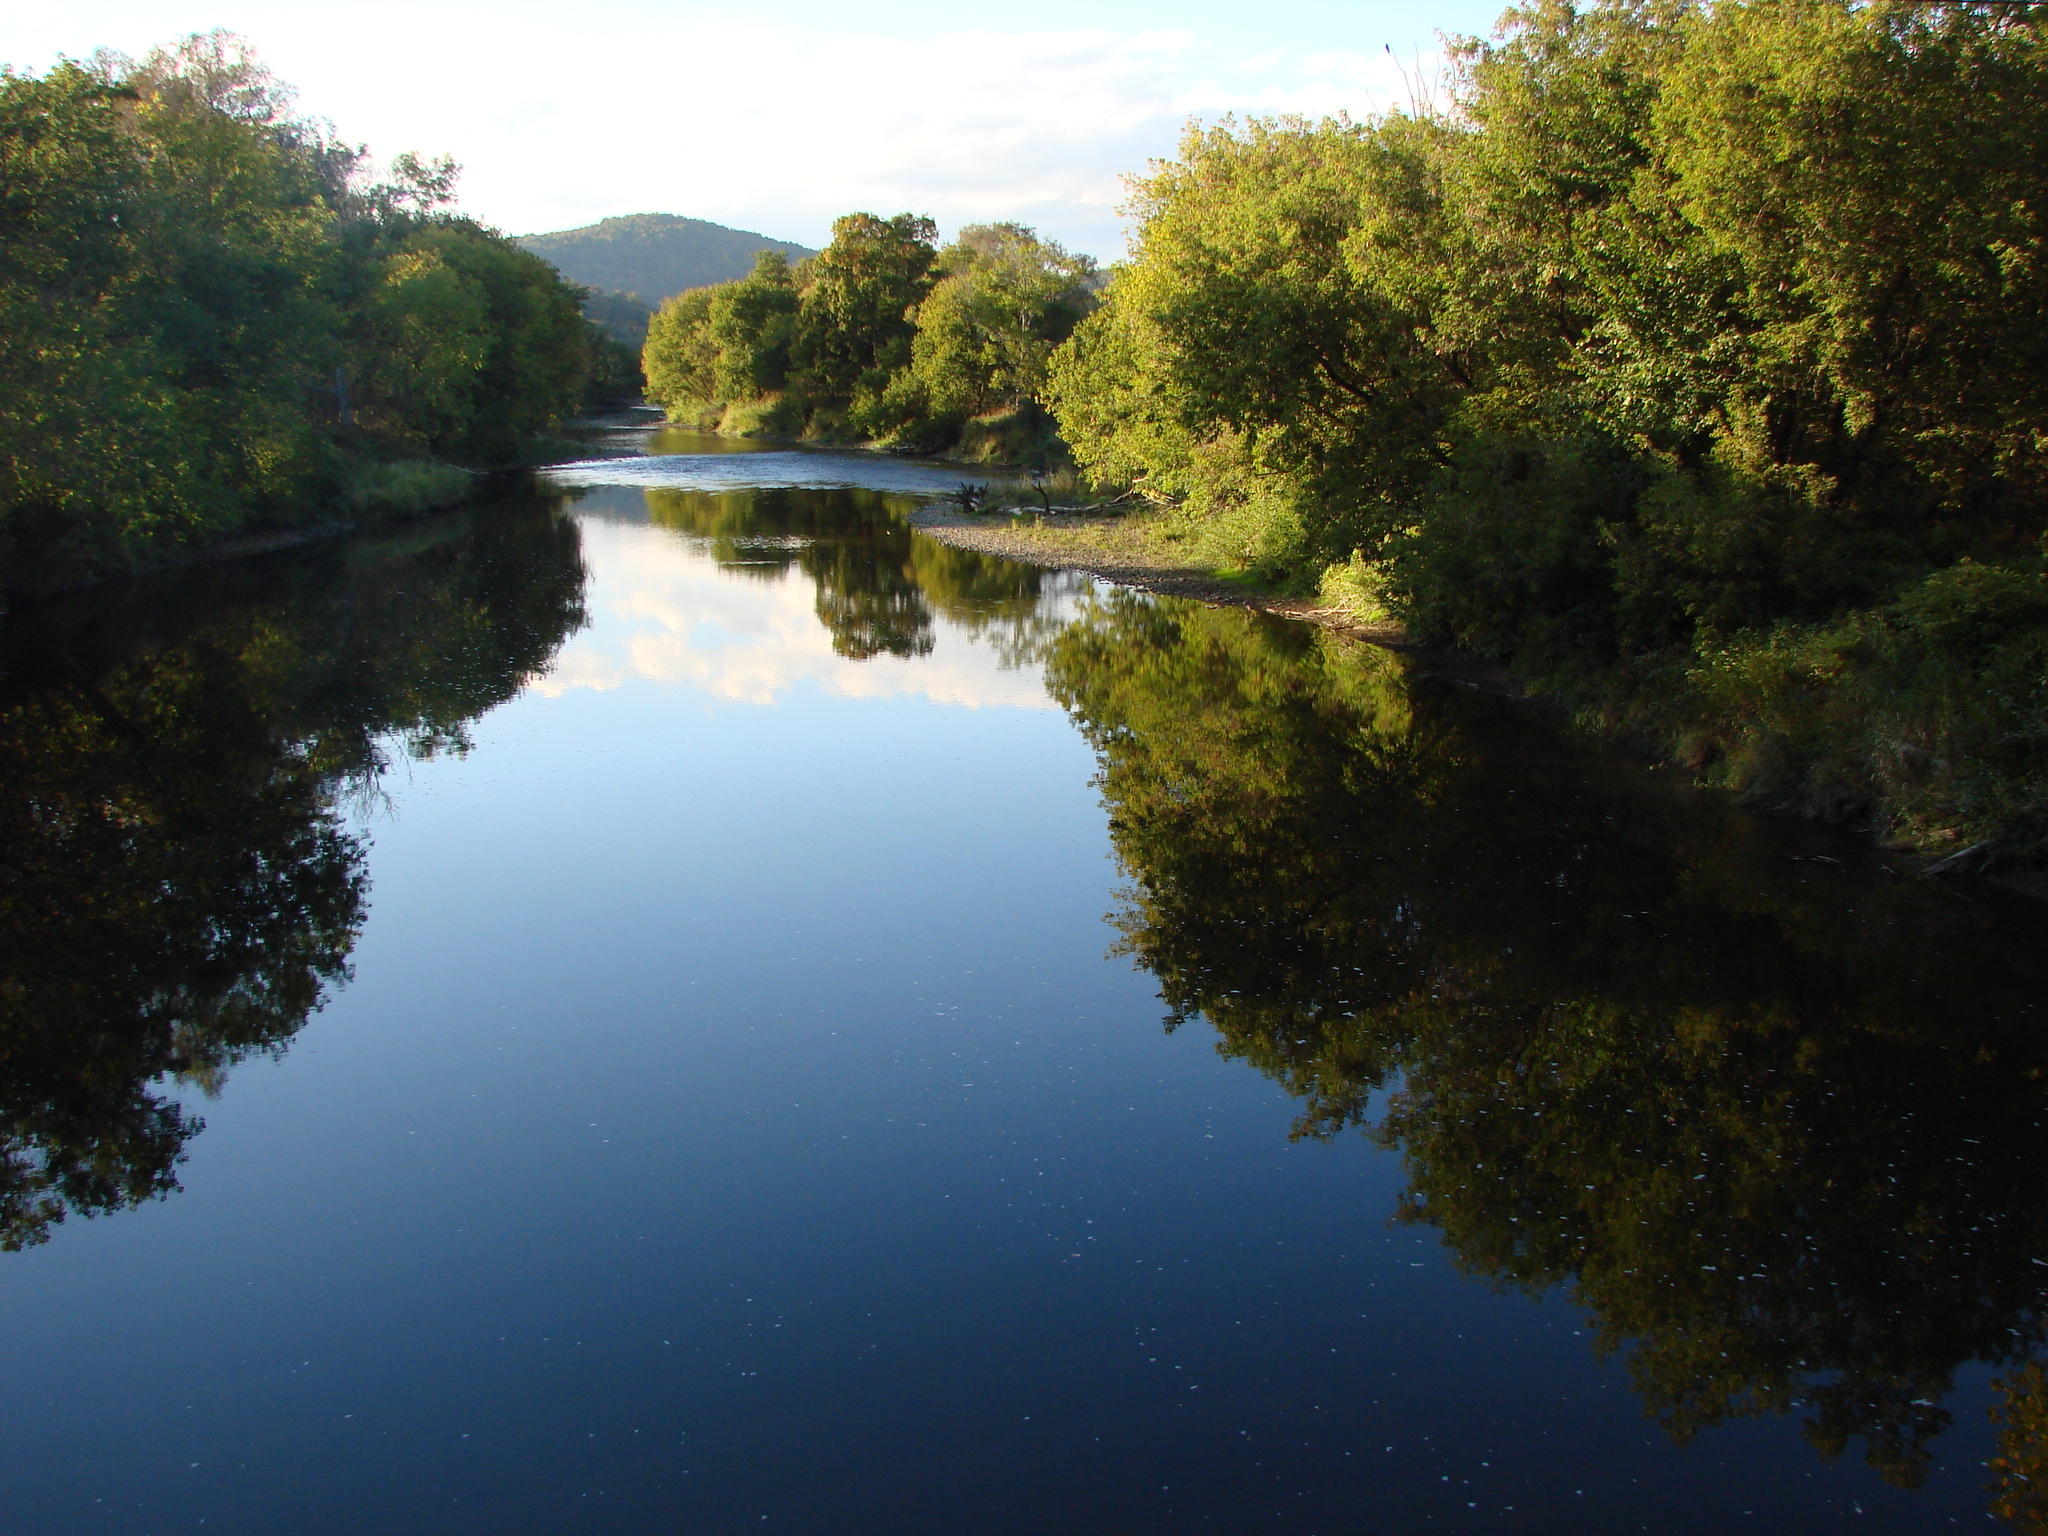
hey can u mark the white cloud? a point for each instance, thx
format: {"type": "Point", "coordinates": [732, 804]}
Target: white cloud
{"type": "Point", "coordinates": [630, 107]}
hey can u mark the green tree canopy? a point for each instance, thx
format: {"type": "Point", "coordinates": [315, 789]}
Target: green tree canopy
{"type": "Point", "coordinates": [1684, 359]}
{"type": "Point", "coordinates": [879, 337]}
{"type": "Point", "coordinates": [855, 323]}
{"type": "Point", "coordinates": [209, 314]}
{"type": "Point", "coordinates": [1003, 300]}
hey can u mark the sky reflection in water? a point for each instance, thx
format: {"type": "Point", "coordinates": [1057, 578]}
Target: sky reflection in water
{"type": "Point", "coordinates": [733, 1122]}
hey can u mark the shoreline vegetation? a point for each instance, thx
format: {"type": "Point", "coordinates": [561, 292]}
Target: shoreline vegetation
{"type": "Point", "coordinates": [1684, 361]}
{"type": "Point", "coordinates": [881, 340]}
{"type": "Point", "coordinates": [221, 331]}
{"type": "Point", "coordinates": [1142, 552]}
{"type": "Point", "coordinates": [1134, 549]}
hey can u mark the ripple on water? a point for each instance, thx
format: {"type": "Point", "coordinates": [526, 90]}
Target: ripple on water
{"type": "Point", "coordinates": [792, 469]}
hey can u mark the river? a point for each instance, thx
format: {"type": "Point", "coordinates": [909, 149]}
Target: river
{"type": "Point", "coordinates": [669, 1002]}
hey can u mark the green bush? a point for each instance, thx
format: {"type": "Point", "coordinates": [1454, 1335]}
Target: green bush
{"type": "Point", "coordinates": [207, 315]}
{"type": "Point", "coordinates": [1932, 712]}
{"type": "Point", "coordinates": [880, 338]}
{"type": "Point", "coordinates": [1690, 360]}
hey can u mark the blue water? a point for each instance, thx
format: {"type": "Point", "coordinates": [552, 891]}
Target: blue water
{"type": "Point", "coordinates": [735, 1123]}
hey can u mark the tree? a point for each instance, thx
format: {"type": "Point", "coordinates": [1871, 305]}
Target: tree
{"type": "Point", "coordinates": [1687, 363]}
{"type": "Point", "coordinates": [854, 324]}
{"type": "Point", "coordinates": [1002, 301]}
{"type": "Point", "coordinates": [161, 272]}
{"type": "Point", "coordinates": [752, 324]}
{"type": "Point", "coordinates": [535, 357]}
{"type": "Point", "coordinates": [1242, 357]}
{"type": "Point", "coordinates": [193, 279]}
{"type": "Point", "coordinates": [681, 358]}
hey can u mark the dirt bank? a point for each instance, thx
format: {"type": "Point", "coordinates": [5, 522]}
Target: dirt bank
{"type": "Point", "coordinates": [1116, 550]}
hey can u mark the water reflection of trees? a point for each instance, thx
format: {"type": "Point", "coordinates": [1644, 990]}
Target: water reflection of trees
{"type": "Point", "coordinates": [1776, 1123]}
{"type": "Point", "coordinates": [176, 889]}
{"type": "Point", "coordinates": [879, 584]}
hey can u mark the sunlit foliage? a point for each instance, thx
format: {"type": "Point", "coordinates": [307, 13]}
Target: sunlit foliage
{"type": "Point", "coordinates": [1003, 300]}
{"type": "Point", "coordinates": [1687, 358]}
{"type": "Point", "coordinates": [210, 316]}
{"type": "Point", "coordinates": [880, 337]}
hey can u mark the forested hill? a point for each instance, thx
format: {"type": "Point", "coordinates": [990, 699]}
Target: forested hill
{"type": "Point", "coordinates": [655, 254]}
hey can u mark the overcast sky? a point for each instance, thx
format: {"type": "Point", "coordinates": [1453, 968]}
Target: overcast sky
{"type": "Point", "coordinates": [562, 114]}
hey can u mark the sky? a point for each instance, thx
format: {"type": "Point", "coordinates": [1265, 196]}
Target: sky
{"type": "Point", "coordinates": [776, 120]}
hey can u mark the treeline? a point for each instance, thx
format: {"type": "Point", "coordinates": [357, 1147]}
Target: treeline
{"type": "Point", "coordinates": [881, 337]}
{"type": "Point", "coordinates": [213, 320]}
{"type": "Point", "coordinates": [1691, 359]}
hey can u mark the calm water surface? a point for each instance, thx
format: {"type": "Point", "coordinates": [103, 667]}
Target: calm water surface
{"type": "Point", "coordinates": [671, 1004]}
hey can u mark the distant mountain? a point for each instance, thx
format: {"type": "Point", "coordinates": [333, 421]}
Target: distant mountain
{"type": "Point", "coordinates": [655, 254]}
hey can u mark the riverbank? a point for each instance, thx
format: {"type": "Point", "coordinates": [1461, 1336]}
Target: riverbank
{"type": "Point", "coordinates": [375, 494]}
{"type": "Point", "coordinates": [1127, 550]}
{"type": "Point", "coordinates": [1003, 442]}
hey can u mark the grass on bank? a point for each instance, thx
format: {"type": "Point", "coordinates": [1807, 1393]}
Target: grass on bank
{"type": "Point", "coordinates": [1065, 515]}
{"type": "Point", "coordinates": [1914, 720]}
{"type": "Point", "coordinates": [405, 488]}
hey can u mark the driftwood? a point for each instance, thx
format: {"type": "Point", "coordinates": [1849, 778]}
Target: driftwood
{"type": "Point", "coordinates": [1968, 861]}
{"type": "Point", "coordinates": [975, 499]}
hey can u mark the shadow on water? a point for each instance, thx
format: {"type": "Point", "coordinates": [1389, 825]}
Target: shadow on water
{"type": "Point", "coordinates": [177, 891]}
{"type": "Point", "coordinates": [1773, 1116]}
